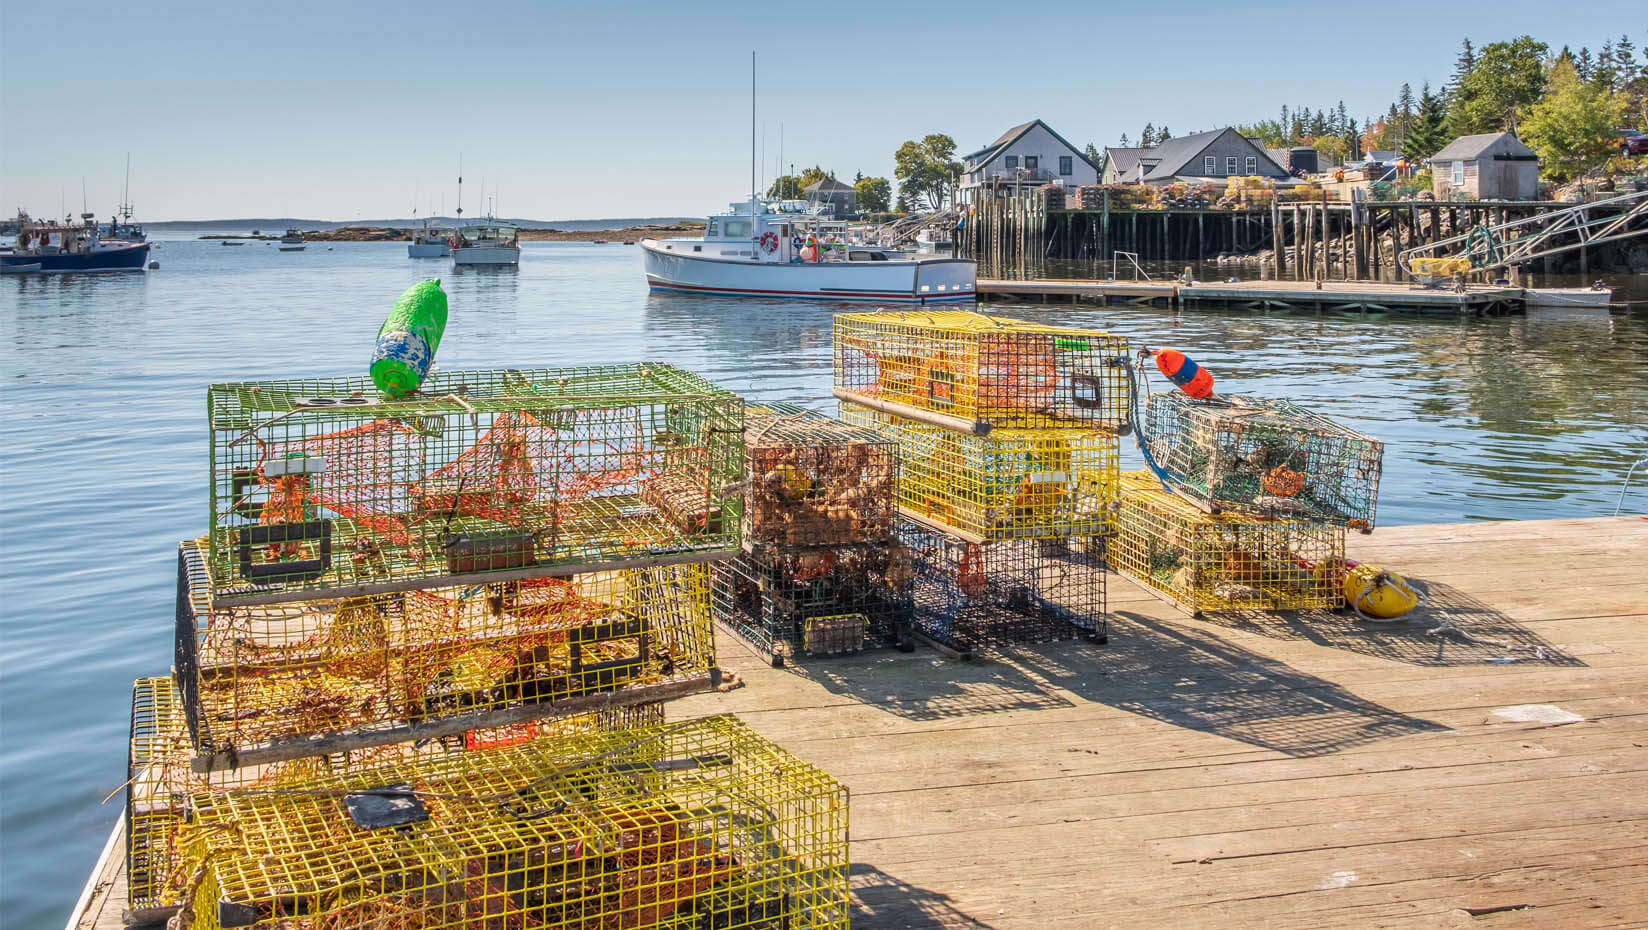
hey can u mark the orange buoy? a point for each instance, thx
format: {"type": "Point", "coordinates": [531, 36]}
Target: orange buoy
{"type": "Point", "coordinates": [1190, 377]}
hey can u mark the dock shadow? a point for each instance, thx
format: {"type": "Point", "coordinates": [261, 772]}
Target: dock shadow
{"type": "Point", "coordinates": [926, 686]}
{"type": "Point", "coordinates": [1450, 628]}
{"type": "Point", "coordinates": [883, 901]}
{"type": "Point", "coordinates": [1197, 680]}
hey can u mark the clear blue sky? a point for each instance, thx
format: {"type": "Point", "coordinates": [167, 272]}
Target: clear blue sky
{"type": "Point", "coordinates": [340, 110]}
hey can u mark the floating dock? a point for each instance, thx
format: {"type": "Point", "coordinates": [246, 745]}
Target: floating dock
{"type": "Point", "coordinates": [1337, 296]}
{"type": "Point", "coordinates": [1480, 765]}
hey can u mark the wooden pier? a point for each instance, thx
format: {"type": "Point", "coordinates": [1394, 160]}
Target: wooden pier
{"type": "Point", "coordinates": [1265, 771]}
{"type": "Point", "coordinates": [1345, 296]}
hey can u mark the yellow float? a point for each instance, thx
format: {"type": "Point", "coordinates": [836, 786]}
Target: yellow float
{"type": "Point", "coordinates": [1379, 594]}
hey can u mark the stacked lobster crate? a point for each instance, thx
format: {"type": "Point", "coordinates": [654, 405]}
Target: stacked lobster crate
{"type": "Point", "coordinates": [1251, 507]}
{"type": "Point", "coordinates": [820, 571]}
{"type": "Point", "coordinates": [421, 659]}
{"type": "Point", "coordinates": [1007, 432]}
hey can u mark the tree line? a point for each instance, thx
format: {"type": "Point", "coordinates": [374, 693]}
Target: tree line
{"type": "Point", "coordinates": [874, 194]}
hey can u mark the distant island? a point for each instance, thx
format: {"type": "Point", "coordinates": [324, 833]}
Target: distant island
{"type": "Point", "coordinates": [527, 234]}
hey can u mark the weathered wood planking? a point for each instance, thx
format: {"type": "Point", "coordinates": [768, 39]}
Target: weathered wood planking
{"type": "Point", "coordinates": [1260, 770]}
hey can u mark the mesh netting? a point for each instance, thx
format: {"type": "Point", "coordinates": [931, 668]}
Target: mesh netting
{"type": "Point", "coordinates": [817, 601]}
{"type": "Point", "coordinates": [815, 481]}
{"type": "Point", "coordinates": [1225, 561]}
{"type": "Point", "coordinates": [982, 368]}
{"type": "Point", "coordinates": [688, 825]}
{"type": "Point", "coordinates": [1264, 456]}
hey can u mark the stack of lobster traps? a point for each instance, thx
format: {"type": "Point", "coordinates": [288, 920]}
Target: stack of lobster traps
{"type": "Point", "coordinates": [1007, 432]}
{"type": "Point", "coordinates": [819, 571]}
{"type": "Point", "coordinates": [1251, 506]}
{"type": "Point", "coordinates": [422, 655]}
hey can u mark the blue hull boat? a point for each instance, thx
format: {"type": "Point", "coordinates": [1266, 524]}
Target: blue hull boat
{"type": "Point", "coordinates": [117, 258]}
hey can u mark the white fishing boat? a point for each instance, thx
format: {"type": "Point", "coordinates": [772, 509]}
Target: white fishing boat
{"type": "Point", "coordinates": [933, 240]}
{"type": "Point", "coordinates": [755, 250]}
{"type": "Point", "coordinates": [292, 241]}
{"type": "Point", "coordinates": [430, 242]}
{"type": "Point", "coordinates": [1595, 298]}
{"type": "Point", "coordinates": [487, 243]}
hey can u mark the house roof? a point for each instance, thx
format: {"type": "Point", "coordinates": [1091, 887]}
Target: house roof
{"type": "Point", "coordinates": [1123, 160]}
{"type": "Point", "coordinates": [988, 154]}
{"type": "Point", "coordinates": [828, 186]}
{"type": "Point", "coordinates": [1176, 156]}
{"type": "Point", "coordinates": [1466, 148]}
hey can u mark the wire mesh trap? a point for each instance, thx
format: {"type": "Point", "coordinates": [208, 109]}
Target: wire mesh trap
{"type": "Point", "coordinates": [1225, 561]}
{"type": "Point", "coordinates": [1011, 484]}
{"type": "Point", "coordinates": [321, 485]}
{"type": "Point", "coordinates": [815, 481]}
{"type": "Point", "coordinates": [1265, 456]}
{"type": "Point", "coordinates": [817, 601]}
{"type": "Point", "coordinates": [159, 781]}
{"type": "Point", "coordinates": [267, 674]}
{"type": "Point", "coordinates": [971, 596]}
{"type": "Point", "coordinates": [688, 825]}
{"type": "Point", "coordinates": [986, 369]}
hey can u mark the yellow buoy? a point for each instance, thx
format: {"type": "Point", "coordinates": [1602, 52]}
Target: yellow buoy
{"type": "Point", "coordinates": [1378, 593]}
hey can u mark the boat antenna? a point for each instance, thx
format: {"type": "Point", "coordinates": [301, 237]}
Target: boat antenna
{"type": "Point", "coordinates": [414, 201]}
{"type": "Point", "coordinates": [126, 193]}
{"type": "Point", "coordinates": [460, 186]}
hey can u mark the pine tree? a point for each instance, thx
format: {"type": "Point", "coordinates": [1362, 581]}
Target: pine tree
{"type": "Point", "coordinates": [1606, 75]}
{"type": "Point", "coordinates": [1147, 139]}
{"type": "Point", "coordinates": [1341, 119]}
{"type": "Point", "coordinates": [1461, 67]}
{"type": "Point", "coordinates": [1163, 135]}
{"type": "Point", "coordinates": [1583, 65]}
{"type": "Point", "coordinates": [1427, 134]}
{"type": "Point", "coordinates": [1353, 139]}
{"type": "Point", "coordinates": [1286, 120]}
{"type": "Point", "coordinates": [1124, 141]}
{"type": "Point", "coordinates": [1625, 57]}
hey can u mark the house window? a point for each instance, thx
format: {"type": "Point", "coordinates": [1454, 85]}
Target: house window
{"type": "Point", "coordinates": [1252, 165]}
{"type": "Point", "coordinates": [1067, 164]}
{"type": "Point", "coordinates": [1031, 162]}
{"type": "Point", "coordinates": [1458, 174]}
{"type": "Point", "coordinates": [1210, 166]}
{"type": "Point", "coordinates": [1012, 163]}
{"type": "Point", "coordinates": [1230, 164]}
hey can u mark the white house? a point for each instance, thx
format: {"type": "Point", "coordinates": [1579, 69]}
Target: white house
{"type": "Point", "coordinates": [1031, 154]}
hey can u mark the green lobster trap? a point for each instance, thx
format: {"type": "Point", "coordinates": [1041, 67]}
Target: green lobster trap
{"type": "Point", "coordinates": [702, 824]}
{"type": "Point", "coordinates": [1011, 484]}
{"type": "Point", "coordinates": [975, 595]}
{"type": "Point", "coordinates": [1267, 457]}
{"type": "Point", "coordinates": [1227, 561]}
{"type": "Point", "coordinates": [324, 486]}
{"type": "Point", "coordinates": [982, 371]}
{"type": "Point", "coordinates": [160, 782]}
{"type": "Point", "coordinates": [817, 601]}
{"type": "Point", "coordinates": [260, 682]}
{"type": "Point", "coordinates": [815, 481]}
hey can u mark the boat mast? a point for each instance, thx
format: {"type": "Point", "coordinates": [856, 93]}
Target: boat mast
{"type": "Point", "coordinates": [460, 188]}
{"type": "Point", "coordinates": [126, 193]}
{"type": "Point", "coordinates": [752, 143]}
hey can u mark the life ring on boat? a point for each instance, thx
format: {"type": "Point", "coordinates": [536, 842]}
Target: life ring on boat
{"type": "Point", "coordinates": [769, 241]}
{"type": "Point", "coordinates": [796, 243]}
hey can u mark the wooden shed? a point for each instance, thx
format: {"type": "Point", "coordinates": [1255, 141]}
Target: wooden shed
{"type": "Point", "coordinates": [1490, 166]}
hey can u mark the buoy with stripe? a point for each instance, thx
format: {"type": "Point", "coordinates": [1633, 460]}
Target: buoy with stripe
{"type": "Point", "coordinates": [408, 339]}
{"type": "Point", "coordinates": [1190, 377]}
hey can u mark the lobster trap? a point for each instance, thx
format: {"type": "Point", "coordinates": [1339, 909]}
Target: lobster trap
{"type": "Point", "coordinates": [977, 595]}
{"type": "Point", "coordinates": [322, 486]}
{"type": "Point", "coordinates": [1225, 561]}
{"type": "Point", "coordinates": [259, 682]}
{"type": "Point", "coordinates": [703, 824]}
{"type": "Point", "coordinates": [817, 601]}
{"type": "Point", "coordinates": [983, 371]}
{"type": "Point", "coordinates": [1011, 484]}
{"type": "Point", "coordinates": [160, 782]}
{"type": "Point", "coordinates": [815, 481]}
{"type": "Point", "coordinates": [1262, 456]}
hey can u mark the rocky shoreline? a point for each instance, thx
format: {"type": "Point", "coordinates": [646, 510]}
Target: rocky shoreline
{"type": "Point", "coordinates": [396, 234]}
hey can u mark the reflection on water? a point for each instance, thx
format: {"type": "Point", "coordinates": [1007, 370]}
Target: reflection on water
{"type": "Point", "coordinates": [103, 449]}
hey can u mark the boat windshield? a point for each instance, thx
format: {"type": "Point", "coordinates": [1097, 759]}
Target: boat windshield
{"type": "Point", "coordinates": [491, 235]}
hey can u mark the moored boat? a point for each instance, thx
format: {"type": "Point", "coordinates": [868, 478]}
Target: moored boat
{"type": "Point", "coordinates": [292, 241]}
{"type": "Point", "coordinates": [754, 251]}
{"type": "Point", "coordinates": [430, 242]}
{"type": "Point", "coordinates": [48, 249]}
{"type": "Point", "coordinates": [487, 243]}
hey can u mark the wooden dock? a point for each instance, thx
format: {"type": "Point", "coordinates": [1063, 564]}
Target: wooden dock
{"type": "Point", "coordinates": [1329, 296]}
{"type": "Point", "coordinates": [1263, 771]}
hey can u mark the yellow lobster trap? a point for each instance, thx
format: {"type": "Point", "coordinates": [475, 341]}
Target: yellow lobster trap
{"type": "Point", "coordinates": [982, 371]}
{"type": "Point", "coordinates": [160, 782]}
{"type": "Point", "coordinates": [815, 481]}
{"type": "Point", "coordinates": [688, 825]}
{"type": "Point", "coordinates": [322, 486]}
{"type": "Point", "coordinates": [1011, 484]}
{"type": "Point", "coordinates": [258, 683]}
{"type": "Point", "coordinates": [1225, 561]}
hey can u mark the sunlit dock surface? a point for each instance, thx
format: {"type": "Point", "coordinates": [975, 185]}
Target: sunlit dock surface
{"type": "Point", "coordinates": [1259, 771]}
{"type": "Point", "coordinates": [1342, 296]}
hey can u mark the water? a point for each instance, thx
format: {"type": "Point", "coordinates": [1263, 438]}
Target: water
{"type": "Point", "coordinates": [103, 445]}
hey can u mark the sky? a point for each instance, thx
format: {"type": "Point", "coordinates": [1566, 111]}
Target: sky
{"type": "Point", "coordinates": [362, 109]}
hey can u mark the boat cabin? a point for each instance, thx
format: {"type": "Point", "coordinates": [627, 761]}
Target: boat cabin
{"type": "Point", "coordinates": [487, 236]}
{"type": "Point", "coordinates": [777, 231]}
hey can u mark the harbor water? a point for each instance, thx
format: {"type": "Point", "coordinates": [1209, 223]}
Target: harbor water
{"type": "Point", "coordinates": [103, 441]}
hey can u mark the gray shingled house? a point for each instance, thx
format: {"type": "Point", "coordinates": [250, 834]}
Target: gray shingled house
{"type": "Point", "coordinates": [1028, 154]}
{"type": "Point", "coordinates": [842, 198]}
{"type": "Point", "coordinates": [1489, 166]}
{"type": "Point", "coordinates": [1217, 153]}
